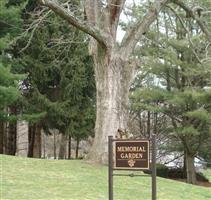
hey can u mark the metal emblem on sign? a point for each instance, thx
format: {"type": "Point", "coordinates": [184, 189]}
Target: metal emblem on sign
{"type": "Point", "coordinates": [131, 162]}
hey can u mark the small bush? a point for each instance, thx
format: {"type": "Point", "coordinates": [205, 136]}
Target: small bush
{"type": "Point", "coordinates": [175, 173]}
{"type": "Point", "coordinates": [178, 173]}
{"type": "Point", "coordinates": [162, 171]}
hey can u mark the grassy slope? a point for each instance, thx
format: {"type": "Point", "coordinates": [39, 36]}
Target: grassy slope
{"type": "Point", "coordinates": [27, 179]}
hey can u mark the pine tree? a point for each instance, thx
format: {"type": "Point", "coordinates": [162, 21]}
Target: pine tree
{"type": "Point", "coordinates": [10, 27]}
{"type": "Point", "coordinates": [178, 63]}
{"type": "Point", "coordinates": [60, 84]}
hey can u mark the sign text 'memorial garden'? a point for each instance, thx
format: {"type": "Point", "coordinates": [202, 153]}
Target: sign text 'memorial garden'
{"type": "Point", "coordinates": [131, 154]}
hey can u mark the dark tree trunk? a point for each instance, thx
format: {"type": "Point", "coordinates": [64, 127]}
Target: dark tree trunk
{"type": "Point", "coordinates": [11, 138]}
{"type": "Point", "coordinates": [31, 140]}
{"type": "Point", "coordinates": [43, 145]}
{"type": "Point", "coordinates": [11, 134]}
{"type": "Point", "coordinates": [155, 122]}
{"type": "Point", "coordinates": [168, 80]}
{"type": "Point", "coordinates": [54, 145]}
{"type": "Point", "coordinates": [1, 137]}
{"type": "Point", "coordinates": [69, 147]}
{"type": "Point", "coordinates": [140, 124]}
{"type": "Point", "coordinates": [37, 141]}
{"type": "Point", "coordinates": [190, 168]}
{"type": "Point", "coordinates": [148, 123]}
{"type": "Point", "coordinates": [77, 148]}
{"type": "Point", "coordinates": [62, 148]}
{"type": "Point", "coordinates": [184, 166]}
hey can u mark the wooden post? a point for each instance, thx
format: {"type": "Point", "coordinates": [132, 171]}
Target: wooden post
{"type": "Point", "coordinates": [110, 167]}
{"type": "Point", "coordinates": [154, 196]}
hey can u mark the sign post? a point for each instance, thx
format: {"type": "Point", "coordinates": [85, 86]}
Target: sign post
{"type": "Point", "coordinates": [153, 168]}
{"type": "Point", "coordinates": [131, 155]}
{"type": "Point", "coordinates": [110, 168]}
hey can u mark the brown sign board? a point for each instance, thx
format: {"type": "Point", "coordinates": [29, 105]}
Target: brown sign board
{"type": "Point", "coordinates": [131, 154]}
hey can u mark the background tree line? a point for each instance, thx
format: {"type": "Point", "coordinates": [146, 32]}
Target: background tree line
{"type": "Point", "coordinates": [57, 90]}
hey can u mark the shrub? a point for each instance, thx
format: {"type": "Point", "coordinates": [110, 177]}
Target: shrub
{"type": "Point", "coordinates": [178, 173]}
{"type": "Point", "coordinates": [162, 171]}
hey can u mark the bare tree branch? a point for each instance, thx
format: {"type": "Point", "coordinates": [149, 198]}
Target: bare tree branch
{"type": "Point", "coordinates": [133, 34]}
{"type": "Point", "coordinates": [71, 19]}
{"type": "Point", "coordinates": [34, 27]}
{"type": "Point", "coordinates": [188, 34]}
{"type": "Point", "coordinates": [194, 15]}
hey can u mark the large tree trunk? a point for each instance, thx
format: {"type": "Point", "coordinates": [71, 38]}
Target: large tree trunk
{"type": "Point", "coordinates": [113, 77]}
{"type": "Point", "coordinates": [190, 168]}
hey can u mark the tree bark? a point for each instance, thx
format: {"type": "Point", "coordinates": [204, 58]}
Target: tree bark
{"type": "Point", "coordinates": [77, 148]}
{"type": "Point", "coordinates": [22, 140]}
{"type": "Point", "coordinates": [54, 145]}
{"type": "Point", "coordinates": [31, 140]}
{"type": "Point", "coordinates": [1, 137]}
{"type": "Point", "coordinates": [184, 166]}
{"type": "Point", "coordinates": [190, 169]}
{"type": "Point", "coordinates": [148, 124]}
{"type": "Point", "coordinates": [11, 134]}
{"type": "Point", "coordinates": [113, 78]}
{"type": "Point", "coordinates": [11, 139]}
{"type": "Point", "coordinates": [69, 147]}
{"type": "Point", "coordinates": [43, 145]}
{"type": "Point", "coordinates": [62, 148]}
{"type": "Point", "coordinates": [37, 142]}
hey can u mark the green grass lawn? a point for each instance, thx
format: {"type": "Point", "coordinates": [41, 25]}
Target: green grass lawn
{"type": "Point", "coordinates": [27, 179]}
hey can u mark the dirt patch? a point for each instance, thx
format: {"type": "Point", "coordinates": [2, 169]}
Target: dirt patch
{"type": "Point", "coordinates": [199, 183]}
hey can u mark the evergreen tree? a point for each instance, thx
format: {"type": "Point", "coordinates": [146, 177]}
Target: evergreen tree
{"type": "Point", "coordinates": [60, 83]}
{"type": "Point", "coordinates": [178, 63]}
{"type": "Point", "coordinates": [10, 27]}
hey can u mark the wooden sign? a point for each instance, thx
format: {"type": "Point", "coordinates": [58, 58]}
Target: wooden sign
{"type": "Point", "coordinates": [131, 154]}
